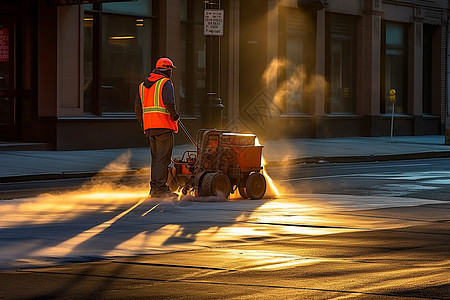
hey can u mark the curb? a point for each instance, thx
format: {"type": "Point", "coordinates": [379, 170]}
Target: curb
{"type": "Point", "coordinates": [69, 175]}
{"type": "Point", "coordinates": [361, 158]}
{"type": "Point", "coordinates": [290, 162]}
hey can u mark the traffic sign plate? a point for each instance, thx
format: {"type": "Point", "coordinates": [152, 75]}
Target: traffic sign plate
{"type": "Point", "coordinates": [213, 22]}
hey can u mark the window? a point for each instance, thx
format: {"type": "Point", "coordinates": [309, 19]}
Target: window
{"type": "Point", "coordinates": [193, 58]}
{"type": "Point", "coordinates": [124, 60]}
{"type": "Point", "coordinates": [431, 65]}
{"type": "Point", "coordinates": [297, 60]}
{"type": "Point", "coordinates": [394, 67]}
{"type": "Point", "coordinates": [117, 54]}
{"type": "Point", "coordinates": [89, 84]}
{"type": "Point", "coordinates": [341, 66]}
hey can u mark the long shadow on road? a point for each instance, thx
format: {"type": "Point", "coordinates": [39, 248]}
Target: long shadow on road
{"type": "Point", "coordinates": [60, 230]}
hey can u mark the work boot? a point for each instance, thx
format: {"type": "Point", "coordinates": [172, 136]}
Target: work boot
{"type": "Point", "coordinates": [164, 193]}
{"type": "Point", "coordinates": [168, 195]}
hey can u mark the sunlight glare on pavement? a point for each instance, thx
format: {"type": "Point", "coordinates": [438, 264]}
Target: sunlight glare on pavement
{"type": "Point", "coordinates": [68, 245]}
{"type": "Point", "coordinates": [265, 260]}
{"type": "Point", "coordinates": [272, 189]}
{"type": "Point", "coordinates": [48, 208]}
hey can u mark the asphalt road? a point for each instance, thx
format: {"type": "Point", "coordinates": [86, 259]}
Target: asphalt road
{"type": "Point", "coordinates": [425, 179]}
{"type": "Point", "coordinates": [362, 231]}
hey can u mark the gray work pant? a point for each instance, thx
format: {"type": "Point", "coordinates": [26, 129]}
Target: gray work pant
{"type": "Point", "coordinates": [161, 148]}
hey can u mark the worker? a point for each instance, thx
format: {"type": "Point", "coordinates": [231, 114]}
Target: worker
{"type": "Point", "coordinates": [156, 112]}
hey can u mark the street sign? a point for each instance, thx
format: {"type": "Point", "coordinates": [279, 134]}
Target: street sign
{"type": "Point", "coordinates": [213, 20]}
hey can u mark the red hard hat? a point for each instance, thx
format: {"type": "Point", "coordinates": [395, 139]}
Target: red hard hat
{"type": "Point", "coordinates": [164, 63]}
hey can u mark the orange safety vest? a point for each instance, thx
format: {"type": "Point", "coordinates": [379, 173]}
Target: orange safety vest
{"type": "Point", "coordinates": [154, 112]}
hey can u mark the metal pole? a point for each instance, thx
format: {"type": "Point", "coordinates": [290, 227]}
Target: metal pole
{"type": "Point", "coordinates": [392, 120]}
{"type": "Point", "coordinates": [213, 107]}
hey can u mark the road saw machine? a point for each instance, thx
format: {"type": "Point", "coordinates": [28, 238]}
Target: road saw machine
{"type": "Point", "coordinates": [223, 162]}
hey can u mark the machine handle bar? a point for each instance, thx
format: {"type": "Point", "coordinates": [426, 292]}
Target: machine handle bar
{"type": "Point", "coordinates": [187, 133]}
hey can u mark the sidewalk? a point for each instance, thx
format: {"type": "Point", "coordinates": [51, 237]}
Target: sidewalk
{"type": "Point", "coordinates": [34, 165]}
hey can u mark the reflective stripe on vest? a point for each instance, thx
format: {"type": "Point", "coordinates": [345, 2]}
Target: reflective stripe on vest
{"type": "Point", "coordinates": [155, 114]}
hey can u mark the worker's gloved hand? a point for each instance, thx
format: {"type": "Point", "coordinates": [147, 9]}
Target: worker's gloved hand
{"type": "Point", "coordinates": [176, 117]}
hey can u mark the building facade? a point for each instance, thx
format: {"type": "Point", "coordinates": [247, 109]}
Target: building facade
{"type": "Point", "coordinates": [69, 69]}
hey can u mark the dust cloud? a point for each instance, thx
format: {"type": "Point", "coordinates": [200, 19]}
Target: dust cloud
{"type": "Point", "coordinates": [105, 193]}
{"type": "Point", "coordinates": [102, 193]}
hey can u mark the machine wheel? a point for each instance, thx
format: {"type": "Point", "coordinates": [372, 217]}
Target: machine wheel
{"type": "Point", "coordinates": [255, 186]}
{"type": "Point", "coordinates": [241, 187]}
{"type": "Point", "coordinates": [215, 184]}
{"type": "Point", "coordinates": [242, 191]}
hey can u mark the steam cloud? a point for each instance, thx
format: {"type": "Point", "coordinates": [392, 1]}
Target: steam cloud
{"type": "Point", "coordinates": [297, 82]}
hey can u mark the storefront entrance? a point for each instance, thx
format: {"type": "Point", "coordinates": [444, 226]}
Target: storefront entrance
{"type": "Point", "coordinates": [9, 106]}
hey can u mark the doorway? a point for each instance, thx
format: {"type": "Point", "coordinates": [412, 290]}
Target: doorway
{"type": "Point", "coordinates": [9, 107]}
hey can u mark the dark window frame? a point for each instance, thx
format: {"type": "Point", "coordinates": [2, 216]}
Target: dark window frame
{"type": "Point", "coordinates": [97, 57]}
{"type": "Point", "coordinates": [193, 98]}
{"type": "Point", "coordinates": [431, 70]}
{"type": "Point", "coordinates": [308, 58]}
{"type": "Point", "coordinates": [383, 92]}
{"type": "Point", "coordinates": [328, 59]}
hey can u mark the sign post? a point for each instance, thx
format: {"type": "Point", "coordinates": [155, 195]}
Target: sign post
{"type": "Point", "coordinates": [213, 29]}
{"type": "Point", "coordinates": [392, 99]}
